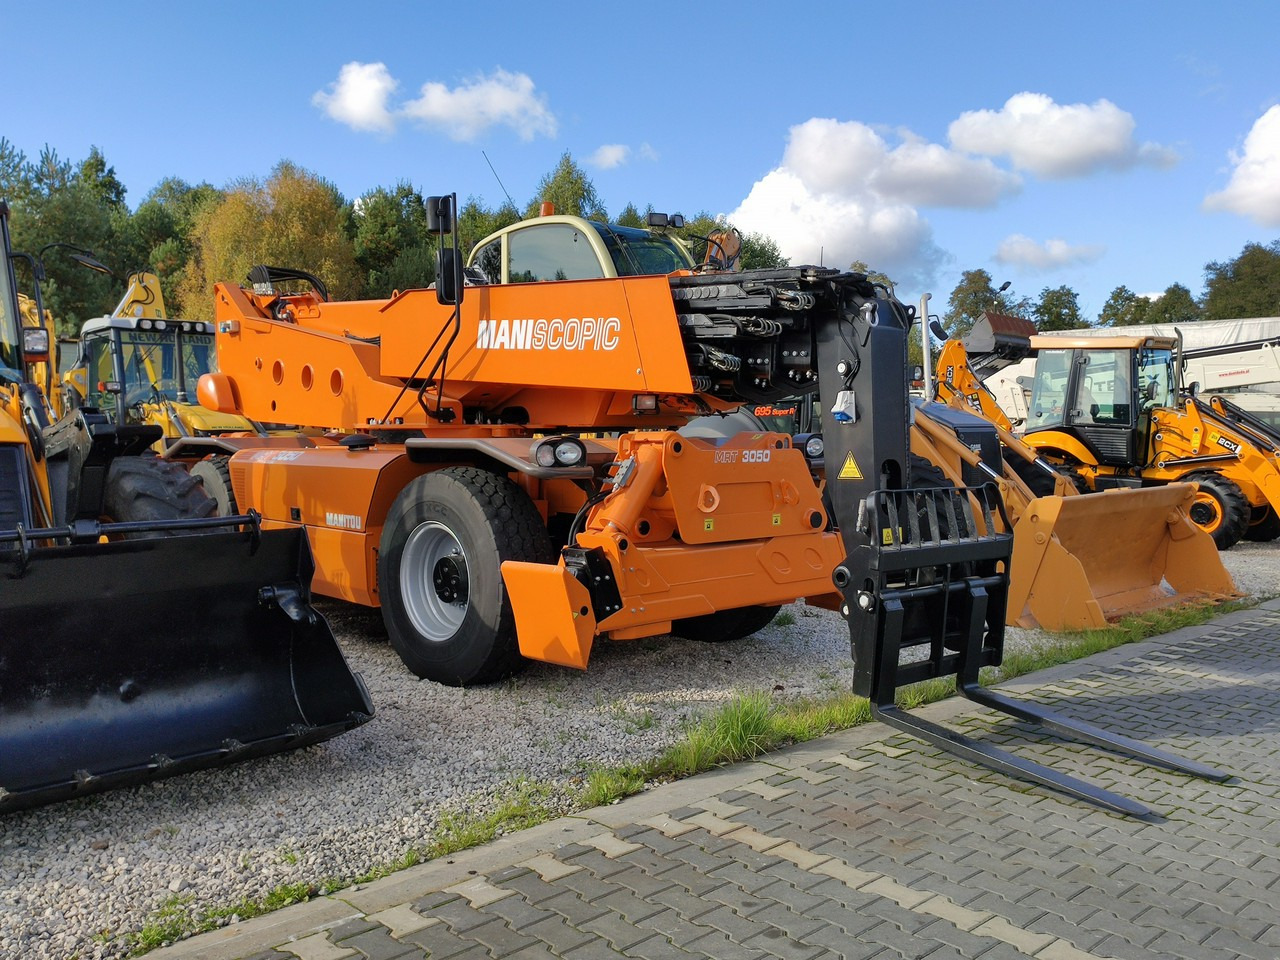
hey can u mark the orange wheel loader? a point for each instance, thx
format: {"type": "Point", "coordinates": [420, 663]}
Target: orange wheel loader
{"type": "Point", "coordinates": [140, 636]}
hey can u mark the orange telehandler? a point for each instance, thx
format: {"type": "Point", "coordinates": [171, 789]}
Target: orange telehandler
{"type": "Point", "coordinates": [459, 493]}
{"type": "Point", "coordinates": [140, 636]}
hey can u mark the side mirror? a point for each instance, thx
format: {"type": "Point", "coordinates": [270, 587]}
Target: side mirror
{"type": "Point", "coordinates": [938, 330]}
{"type": "Point", "coordinates": [440, 215]}
{"type": "Point", "coordinates": [448, 276]}
{"type": "Point", "coordinates": [1193, 388]}
{"type": "Point", "coordinates": [35, 344]}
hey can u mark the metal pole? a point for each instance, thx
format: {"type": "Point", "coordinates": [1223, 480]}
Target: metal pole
{"type": "Point", "coordinates": [924, 343]}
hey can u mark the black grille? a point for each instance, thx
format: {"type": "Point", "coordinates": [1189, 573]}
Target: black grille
{"type": "Point", "coordinates": [1113, 447]}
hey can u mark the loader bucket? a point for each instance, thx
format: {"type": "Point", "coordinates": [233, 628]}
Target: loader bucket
{"type": "Point", "coordinates": [1081, 561]}
{"type": "Point", "coordinates": [128, 661]}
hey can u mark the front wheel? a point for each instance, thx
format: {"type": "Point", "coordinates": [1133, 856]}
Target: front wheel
{"type": "Point", "coordinates": [1264, 525]}
{"type": "Point", "coordinates": [215, 473]}
{"type": "Point", "coordinates": [1220, 508]}
{"type": "Point", "coordinates": [146, 488]}
{"type": "Point", "coordinates": [439, 572]}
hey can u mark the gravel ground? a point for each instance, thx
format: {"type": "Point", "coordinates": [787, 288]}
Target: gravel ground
{"type": "Point", "coordinates": [75, 877]}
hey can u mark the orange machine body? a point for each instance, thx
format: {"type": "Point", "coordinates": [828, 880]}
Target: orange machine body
{"type": "Point", "coordinates": [408, 386]}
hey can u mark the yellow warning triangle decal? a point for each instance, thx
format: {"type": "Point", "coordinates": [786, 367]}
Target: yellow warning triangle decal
{"type": "Point", "coordinates": [850, 470]}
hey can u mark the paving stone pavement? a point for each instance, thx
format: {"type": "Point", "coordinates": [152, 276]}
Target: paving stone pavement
{"type": "Point", "coordinates": [869, 844]}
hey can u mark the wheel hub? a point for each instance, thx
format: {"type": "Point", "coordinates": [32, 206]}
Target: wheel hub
{"type": "Point", "coordinates": [450, 579]}
{"type": "Point", "coordinates": [1203, 513]}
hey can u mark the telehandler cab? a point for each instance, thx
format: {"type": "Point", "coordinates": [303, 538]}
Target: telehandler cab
{"type": "Point", "coordinates": [461, 495]}
{"type": "Point", "coordinates": [140, 636]}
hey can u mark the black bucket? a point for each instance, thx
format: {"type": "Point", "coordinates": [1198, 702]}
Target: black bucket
{"type": "Point", "coordinates": [128, 661]}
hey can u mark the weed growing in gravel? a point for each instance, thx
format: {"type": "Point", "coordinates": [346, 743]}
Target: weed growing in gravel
{"type": "Point", "coordinates": [606, 785]}
{"type": "Point", "coordinates": [785, 618]}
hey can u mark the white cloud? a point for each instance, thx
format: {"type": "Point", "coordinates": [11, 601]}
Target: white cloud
{"type": "Point", "coordinates": [610, 155]}
{"type": "Point", "coordinates": [466, 111]}
{"type": "Point", "coordinates": [844, 193]}
{"type": "Point", "coordinates": [1057, 141]}
{"type": "Point", "coordinates": [838, 228]}
{"type": "Point", "coordinates": [1254, 188]}
{"type": "Point", "coordinates": [359, 97]}
{"type": "Point", "coordinates": [1021, 251]}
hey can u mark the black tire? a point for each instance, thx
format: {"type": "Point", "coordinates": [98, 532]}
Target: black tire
{"type": "Point", "coordinates": [215, 474]}
{"type": "Point", "coordinates": [453, 623]}
{"type": "Point", "coordinates": [1220, 508]}
{"type": "Point", "coordinates": [724, 626]}
{"type": "Point", "coordinates": [1264, 525]}
{"type": "Point", "coordinates": [147, 488]}
{"type": "Point", "coordinates": [1038, 482]}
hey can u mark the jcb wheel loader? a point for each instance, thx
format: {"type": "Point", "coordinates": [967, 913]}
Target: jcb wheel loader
{"type": "Point", "coordinates": [462, 497]}
{"type": "Point", "coordinates": [140, 636]}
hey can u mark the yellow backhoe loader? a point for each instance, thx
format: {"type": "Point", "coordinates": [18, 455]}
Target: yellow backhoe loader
{"type": "Point", "coordinates": [140, 636]}
{"type": "Point", "coordinates": [1078, 560]}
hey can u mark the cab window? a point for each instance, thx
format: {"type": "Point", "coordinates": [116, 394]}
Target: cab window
{"type": "Point", "coordinates": [1049, 391]}
{"type": "Point", "coordinates": [1103, 391]}
{"type": "Point", "coordinates": [553, 251]}
{"type": "Point", "coordinates": [489, 260]}
{"type": "Point", "coordinates": [1155, 379]}
{"type": "Point", "coordinates": [100, 371]}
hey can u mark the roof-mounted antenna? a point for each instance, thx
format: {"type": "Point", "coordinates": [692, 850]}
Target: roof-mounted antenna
{"type": "Point", "coordinates": [498, 178]}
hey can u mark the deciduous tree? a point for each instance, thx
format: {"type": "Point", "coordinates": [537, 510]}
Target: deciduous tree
{"type": "Point", "coordinates": [1058, 309]}
{"type": "Point", "coordinates": [1248, 286]}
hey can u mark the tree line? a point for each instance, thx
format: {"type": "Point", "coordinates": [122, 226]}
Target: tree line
{"type": "Point", "coordinates": [194, 235]}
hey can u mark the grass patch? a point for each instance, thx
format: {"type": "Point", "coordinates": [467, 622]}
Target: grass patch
{"type": "Point", "coordinates": [785, 618]}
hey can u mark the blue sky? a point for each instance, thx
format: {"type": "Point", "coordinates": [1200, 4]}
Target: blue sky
{"type": "Point", "coordinates": [1086, 144]}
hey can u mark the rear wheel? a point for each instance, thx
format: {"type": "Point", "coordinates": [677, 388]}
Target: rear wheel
{"type": "Point", "coordinates": [725, 625]}
{"type": "Point", "coordinates": [215, 474]}
{"type": "Point", "coordinates": [439, 572]}
{"type": "Point", "coordinates": [1220, 508]}
{"type": "Point", "coordinates": [1264, 525]}
{"type": "Point", "coordinates": [147, 488]}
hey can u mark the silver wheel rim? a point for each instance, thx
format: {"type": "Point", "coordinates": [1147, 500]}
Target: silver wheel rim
{"type": "Point", "coordinates": [432, 554]}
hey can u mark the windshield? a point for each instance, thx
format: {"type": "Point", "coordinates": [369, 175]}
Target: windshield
{"type": "Point", "coordinates": [150, 363]}
{"type": "Point", "coordinates": [1049, 391]}
{"type": "Point", "coordinates": [638, 252]}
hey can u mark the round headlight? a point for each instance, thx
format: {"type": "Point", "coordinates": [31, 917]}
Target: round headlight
{"type": "Point", "coordinates": [144, 324]}
{"type": "Point", "coordinates": [160, 324]}
{"type": "Point", "coordinates": [569, 453]}
{"type": "Point", "coordinates": [813, 447]}
{"type": "Point", "coordinates": [544, 455]}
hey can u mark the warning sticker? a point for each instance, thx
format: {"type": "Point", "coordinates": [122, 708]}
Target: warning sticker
{"type": "Point", "coordinates": [708, 524]}
{"type": "Point", "coordinates": [777, 519]}
{"type": "Point", "coordinates": [850, 470]}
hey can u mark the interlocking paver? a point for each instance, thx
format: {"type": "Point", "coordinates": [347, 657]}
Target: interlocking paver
{"type": "Point", "coordinates": [884, 848]}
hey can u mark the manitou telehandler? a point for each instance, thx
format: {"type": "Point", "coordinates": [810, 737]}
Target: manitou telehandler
{"type": "Point", "coordinates": [140, 636]}
{"type": "Point", "coordinates": [459, 494]}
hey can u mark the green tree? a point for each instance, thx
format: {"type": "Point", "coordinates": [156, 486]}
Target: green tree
{"type": "Point", "coordinates": [571, 190]}
{"type": "Point", "coordinates": [1123, 308]}
{"type": "Point", "coordinates": [15, 173]}
{"type": "Point", "coordinates": [476, 221]}
{"type": "Point", "coordinates": [101, 179]}
{"type": "Point", "coordinates": [972, 297]}
{"type": "Point", "coordinates": [1248, 286]}
{"type": "Point", "coordinates": [1058, 309]}
{"type": "Point", "coordinates": [294, 218]}
{"type": "Point", "coordinates": [388, 224]}
{"type": "Point", "coordinates": [631, 217]}
{"type": "Point", "coordinates": [1176, 305]}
